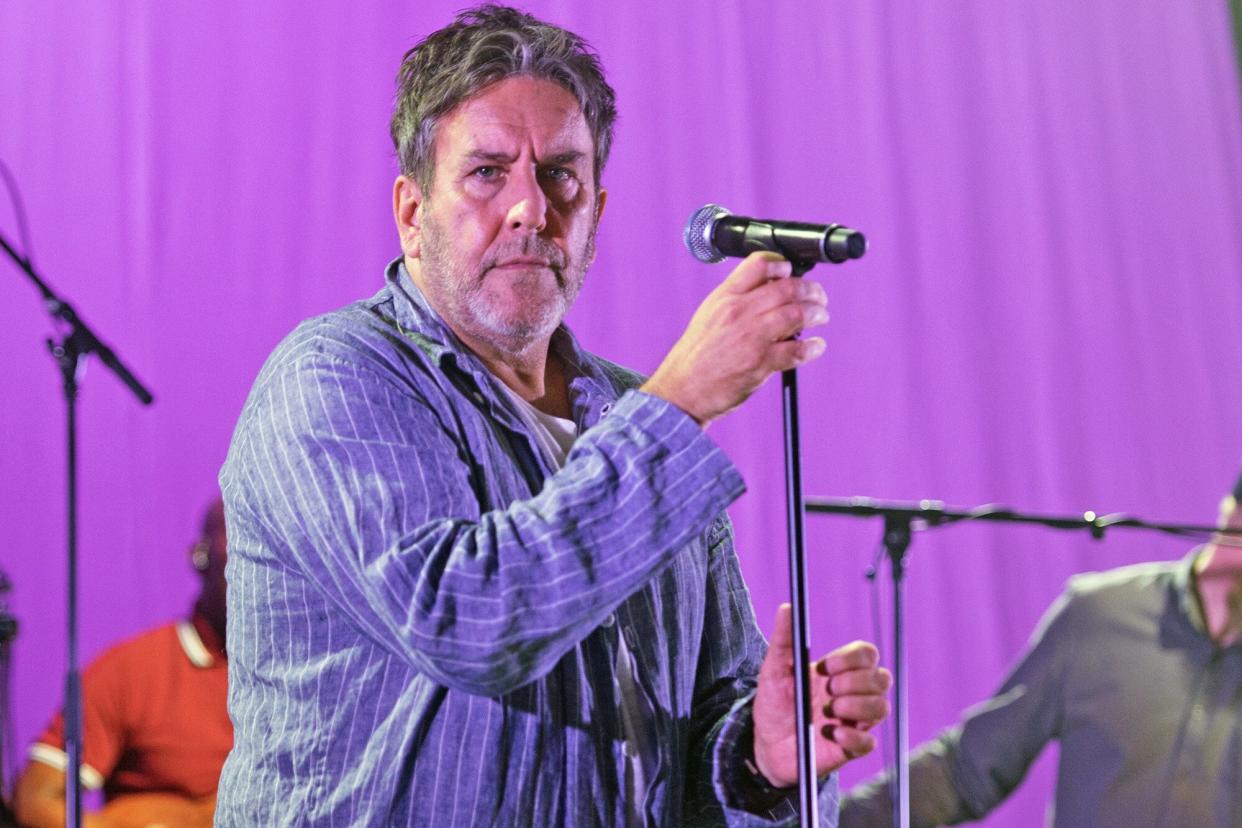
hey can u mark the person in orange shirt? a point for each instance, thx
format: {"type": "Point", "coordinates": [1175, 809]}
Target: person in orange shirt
{"type": "Point", "coordinates": [155, 723]}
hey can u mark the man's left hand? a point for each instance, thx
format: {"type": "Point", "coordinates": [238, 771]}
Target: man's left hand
{"type": "Point", "coordinates": [847, 700]}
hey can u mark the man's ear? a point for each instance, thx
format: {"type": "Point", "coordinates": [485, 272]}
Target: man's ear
{"type": "Point", "coordinates": [600, 201]}
{"type": "Point", "coordinates": [406, 199]}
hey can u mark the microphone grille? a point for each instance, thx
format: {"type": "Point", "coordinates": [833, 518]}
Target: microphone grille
{"type": "Point", "coordinates": [698, 233]}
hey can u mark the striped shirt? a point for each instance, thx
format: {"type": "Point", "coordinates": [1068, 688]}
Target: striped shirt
{"type": "Point", "coordinates": [425, 615]}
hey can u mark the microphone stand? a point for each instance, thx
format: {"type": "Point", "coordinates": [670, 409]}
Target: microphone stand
{"type": "Point", "coordinates": [899, 520]}
{"type": "Point", "coordinates": [8, 631]}
{"type": "Point", "coordinates": [78, 342]}
{"type": "Point", "coordinates": [795, 518]}
{"type": "Point", "coordinates": [710, 239]}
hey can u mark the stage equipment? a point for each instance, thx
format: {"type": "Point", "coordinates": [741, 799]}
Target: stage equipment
{"type": "Point", "coordinates": [710, 235]}
{"type": "Point", "coordinates": [77, 341]}
{"type": "Point", "coordinates": [8, 632]}
{"type": "Point", "coordinates": [900, 521]}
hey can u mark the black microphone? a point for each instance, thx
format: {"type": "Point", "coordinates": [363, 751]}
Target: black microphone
{"type": "Point", "coordinates": [713, 233]}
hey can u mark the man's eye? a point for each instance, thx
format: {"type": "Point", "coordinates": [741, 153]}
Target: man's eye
{"type": "Point", "coordinates": [485, 172]}
{"type": "Point", "coordinates": [559, 174]}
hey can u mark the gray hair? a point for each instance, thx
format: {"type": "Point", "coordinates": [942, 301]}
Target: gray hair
{"type": "Point", "coordinates": [482, 46]}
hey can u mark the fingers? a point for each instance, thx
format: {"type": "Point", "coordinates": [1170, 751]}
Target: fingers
{"type": "Point", "coordinates": [779, 658]}
{"type": "Point", "coordinates": [782, 631]}
{"type": "Point", "coordinates": [852, 741]}
{"type": "Point", "coordinates": [783, 306]}
{"type": "Point", "coordinates": [776, 293]}
{"type": "Point", "coordinates": [859, 683]}
{"type": "Point", "coordinates": [855, 709]}
{"type": "Point", "coordinates": [755, 270]}
{"type": "Point", "coordinates": [785, 355]}
{"type": "Point", "coordinates": [853, 685]}
{"type": "Point", "coordinates": [847, 701]}
{"type": "Point", "coordinates": [782, 310]}
{"type": "Point", "coordinates": [857, 655]}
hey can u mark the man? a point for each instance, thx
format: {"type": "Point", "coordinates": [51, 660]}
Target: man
{"type": "Point", "coordinates": [1137, 673]}
{"type": "Point", "coordinates": [479, 576]}
{"type": "Point", "coordinates": [155, 723]}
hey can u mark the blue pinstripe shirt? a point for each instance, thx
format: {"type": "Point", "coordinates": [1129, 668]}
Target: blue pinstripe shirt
{"type": "Point", "coordinates": [424, 615]}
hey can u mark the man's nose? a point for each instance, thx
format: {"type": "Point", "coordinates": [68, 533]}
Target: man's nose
{"type": "Point", "coordinates": [529, 210]}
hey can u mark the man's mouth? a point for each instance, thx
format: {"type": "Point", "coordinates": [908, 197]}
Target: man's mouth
{"type": "Point", "coordinates": [523, 263]}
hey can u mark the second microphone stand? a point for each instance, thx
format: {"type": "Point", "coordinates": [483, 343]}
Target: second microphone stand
{"type": "Point", "coordinates": [899, 519]}
{"type": "Point", "coordinates": [78, 342]}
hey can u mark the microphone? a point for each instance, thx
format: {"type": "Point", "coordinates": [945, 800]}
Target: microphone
{"type": "Point", "coordinates": [712, 233]}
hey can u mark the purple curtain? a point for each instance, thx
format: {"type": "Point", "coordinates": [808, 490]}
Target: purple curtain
{"type": "Point", "coordinates": [1050, 315]}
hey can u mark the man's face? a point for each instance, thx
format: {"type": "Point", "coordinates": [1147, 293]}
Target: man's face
{"type": "Point", "coordinates": [502, 242]}
{"type": "Point", "coordinates": [214, 546]}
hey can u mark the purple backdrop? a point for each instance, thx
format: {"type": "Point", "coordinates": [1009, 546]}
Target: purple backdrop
{"type": "Point", "coordinates": [1049, 315]}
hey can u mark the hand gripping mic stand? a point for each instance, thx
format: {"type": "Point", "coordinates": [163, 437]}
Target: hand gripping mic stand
{"type": "Point", "coordinates": [77, 342]}
{"type": "Point", "coordinates": [899, 521]}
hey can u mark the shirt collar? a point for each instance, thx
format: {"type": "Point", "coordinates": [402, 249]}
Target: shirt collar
{"type": "Point", "coordinates": [200, 642]}
{"type": "Point", "coordinates": [420, 323]}
{"type": "Point", "coordinates": [1187, 595]}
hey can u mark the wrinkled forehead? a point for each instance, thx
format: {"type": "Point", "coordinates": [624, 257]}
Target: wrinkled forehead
{"type": "Point", "coordinates": [511, 112]}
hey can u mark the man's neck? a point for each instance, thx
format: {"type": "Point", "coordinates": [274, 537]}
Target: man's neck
{"type": "Point", "coordinates": [543, 384]}
{"type": "Point", "coordinates": [1221, 556]}
{"type": "Point", "coordinates": [211, 607]}
{"type": "Point", "coordinates": [530, 368]}
{"type": "Point", "coordinates": [1218, 581]}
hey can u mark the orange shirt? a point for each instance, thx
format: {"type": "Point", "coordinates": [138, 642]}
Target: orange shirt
{"type": "Point", "coordinates": [155, 715]}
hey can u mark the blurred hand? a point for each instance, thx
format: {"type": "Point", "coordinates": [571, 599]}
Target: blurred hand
{"type": "Point", "coordinates": [847, 700]}
{"type": "Point", "coordinates": [740, 336]}
{"type": "Point", "coordinates": [159, 810]}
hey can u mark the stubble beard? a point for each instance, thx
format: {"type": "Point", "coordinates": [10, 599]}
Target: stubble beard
{"type": "Point", "coordinates": [467, 295]}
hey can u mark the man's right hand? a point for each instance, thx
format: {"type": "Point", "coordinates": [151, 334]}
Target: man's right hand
{"type": "Point", "coordinates": [740, 336]}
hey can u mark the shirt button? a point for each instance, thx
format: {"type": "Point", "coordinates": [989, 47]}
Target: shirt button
{"type": "Point", "coordinates": [610, 620]}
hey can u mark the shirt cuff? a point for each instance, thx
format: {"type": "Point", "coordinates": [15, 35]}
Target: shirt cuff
{"type": "Point", "coordinates": [741, 787]}
{"type": "Point", "coordinates": [55, 757]}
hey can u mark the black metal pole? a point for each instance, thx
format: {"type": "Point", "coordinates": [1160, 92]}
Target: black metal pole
{"type": "Point", "coordinates": [8, 631]}
{"type": "Point", "coordinates": [78, 341]}
{"type": "Point", "coordinates": [68, 358]}
{"type": "Point", "coordinates": [896, 542]}
{"type": "Point", "coordinates": [808, 788]}
{"type": "Point", "coordinates": [795, 517]}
